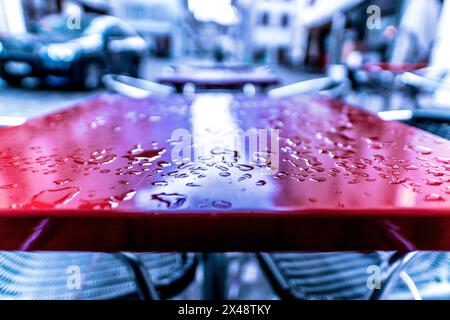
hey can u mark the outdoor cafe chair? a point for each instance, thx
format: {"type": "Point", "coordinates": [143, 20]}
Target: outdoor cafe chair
{"type": "Point", "coordinates": [45, 275]}
{"type": "Point", "coordinates": [91, 276]}
{"type": "Point", "coordinates": [336, 276]}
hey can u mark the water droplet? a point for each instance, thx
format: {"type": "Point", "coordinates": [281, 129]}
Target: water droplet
{"type": "Point", "coordinates": [397, 180]}
{"type": "Point", "coordinates": [98, 157]}
{"type": "Point", "coordinates": [101, 204]}
{"type": "Point", "coordinates": [318, 179]}
{"type": "Point", "coordinates": [170, 200]}
{"type": "Point", "coordinates": [54, 197]}
{"type": "Point", "coordinates": [422, 150]}
{"type": "Point", "coordinates": [222, 168]}
{"type": "Point", "coordinates": [434, 183]}
{"type": "Point", "coordinates": [434, 197]}
{"type": "Point", "coordinates": [163, 164]}
{"type": "Point", "coordinates": [245, 176]}
{"type": "Point", "coordinates": [443, 160]}
{"type": "Point", "coordinates": [221, 204]}
{"type": "Point", "coordinates": [125, 196]}
{"type": "Point", "coordinates": [9, 186]}
{"type": "Point", "coordinates": [107, 203]}
{"type": "Point", "coordinates": [149, 155]}
{"type": "Point", "coordinates": [261, 183]}
{"type": "Point", "coordinates": [225, 174]}
{"type": "Point", "coordinates": [263, 158]}
{"type": "Point", "coordinates": [341, 153]}
{"type": "Point", "coordinates": [191, 184]}
{"type": "Point", "coordinates": [378, 158]}
{"type": "Point", "coordinates": [245, 167]}
{"type": "Point", "coordinates": [186, 165]}
{"type": "Point", "coordinates": [160, 183]}
{"type": "Point", "coordinates": [136, 149]}
{"type": "Point", "coordinates": [173, 173]}
{"type": "Point", "coordinates": [62, 181]}
{"type": "Point", "coordinates": [435, 173]}
{"type": "Point", "coordinates": [222, 151]}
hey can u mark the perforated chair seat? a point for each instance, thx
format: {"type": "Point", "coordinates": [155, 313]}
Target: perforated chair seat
{"type": "Point", "coordinates": [342, 276]}
{"type": "Point", "coordinates": [320, 276]}
{"type": "Point", "coordinates": [440, 128]}
{"type": "Point", "coordinates": [102, 276]}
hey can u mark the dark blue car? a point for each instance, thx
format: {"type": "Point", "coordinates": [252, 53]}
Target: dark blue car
{"type": "Point", "coordinates": [76, 52]}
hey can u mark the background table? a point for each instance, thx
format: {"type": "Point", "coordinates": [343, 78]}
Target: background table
{"type": "Point", "coordinates": [219, 77]}
{"type": "Point", "coordinates": [99, 177]}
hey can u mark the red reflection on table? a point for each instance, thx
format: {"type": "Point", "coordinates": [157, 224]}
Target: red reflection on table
{"type": "Point", "coordinates": [180, 173]}
{"type": "Point", "coordinates": [395, 68]}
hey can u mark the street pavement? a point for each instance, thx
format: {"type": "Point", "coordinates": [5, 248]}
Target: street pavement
{"type": "Point", "coordinates": [31, 103]}
{"type": "Point", "coordinates": [34, 102]}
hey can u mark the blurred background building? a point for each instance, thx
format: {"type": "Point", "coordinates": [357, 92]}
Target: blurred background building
{"type": "Point", "coordinates": [161, 22]}
{"type": "Point", "coordinates": [12, 18]}
{"type": "Point", "coordinates": [293, 32]}
{"type": "Point", "coordinates": [305, 34]}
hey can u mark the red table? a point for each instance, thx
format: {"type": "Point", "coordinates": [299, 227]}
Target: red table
{"type": "Point", "coordinates": [219, 77]}
{"type": "Point", "coordinates": [100, 177]}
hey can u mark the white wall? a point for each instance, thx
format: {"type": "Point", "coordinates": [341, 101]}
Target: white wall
{"type": "Point", "coordinates": [441, 50]}
{"type": "Point", "coordinates": [273, 34]}
{"type": "Point", "coordinates": [171, 9]}
{"type": "Point", "coordinates": [441, 54]}
{"type": "Point", "coordinates": [323, 10]}
{"type": "Point", "coordinates": [160, 17]}
{"type": "Point", "coordinates": [11, 17]}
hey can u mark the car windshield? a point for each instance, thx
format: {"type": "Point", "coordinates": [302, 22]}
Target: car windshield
{"type": "Point", "coordinates": [58, 24]}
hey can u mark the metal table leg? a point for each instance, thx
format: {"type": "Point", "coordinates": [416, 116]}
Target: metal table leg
{"type": "Point", "coordinates": [147, 290]}
{"type": "Point", "coordinates": [215, 276]}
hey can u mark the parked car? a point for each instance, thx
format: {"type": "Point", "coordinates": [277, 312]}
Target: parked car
{"type": "Point", "coordinates": [72, 52]}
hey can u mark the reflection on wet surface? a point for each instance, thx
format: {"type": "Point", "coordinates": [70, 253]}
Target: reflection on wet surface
{"type": "Point", "coordinates": [118, 153]}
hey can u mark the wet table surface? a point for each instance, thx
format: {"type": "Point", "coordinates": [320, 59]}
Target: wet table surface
{"type": "Point", "coordinates": [219, 77]}
{"type": "Point", "coordinates": [217, 172]}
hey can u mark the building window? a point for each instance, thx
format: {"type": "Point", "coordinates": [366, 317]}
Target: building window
{"type": "Point", "coordinates": [34, 10]}
{"type": "Point", "coordinates": [264, 19]}
{"type": "Point", "coordinates": [285, 20]}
